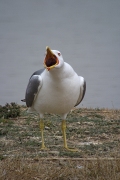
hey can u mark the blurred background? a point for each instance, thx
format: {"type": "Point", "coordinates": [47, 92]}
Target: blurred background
{"type": "Point", "coordinates": [86, 32]}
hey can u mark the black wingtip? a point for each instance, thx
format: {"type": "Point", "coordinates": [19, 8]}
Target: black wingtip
{"type": "Point", "coordinates": [23, 100]}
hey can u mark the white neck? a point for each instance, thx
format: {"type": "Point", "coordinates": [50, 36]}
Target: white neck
{"type": "Point", "coordinates": [64, 71]}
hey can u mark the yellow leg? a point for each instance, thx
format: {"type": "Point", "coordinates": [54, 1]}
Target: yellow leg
{"type": "Point", "coordinates": [64, 136]}
{"type": "Point", "coordinates": [42, 136]}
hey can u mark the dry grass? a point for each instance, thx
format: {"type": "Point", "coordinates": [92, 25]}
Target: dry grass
{"type": "Point", "coordinates": [95, 132]}
{"type": "Point", "coordinates": [62, 169]}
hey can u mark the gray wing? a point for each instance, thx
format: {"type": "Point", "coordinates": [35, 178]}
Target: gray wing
{"type": "Point", "coordinates": [33, 87]}
{"type": "Point", "coordinates": [82, 90]}
{"type": "Point", "coordinates": [39, 72]}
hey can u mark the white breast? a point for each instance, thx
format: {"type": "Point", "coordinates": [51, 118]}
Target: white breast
{"type": "Point", "coordinates": [59, 93]}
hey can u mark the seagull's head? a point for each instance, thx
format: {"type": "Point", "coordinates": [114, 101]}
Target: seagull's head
{"type": "Point", "coordinates": [53, 59]}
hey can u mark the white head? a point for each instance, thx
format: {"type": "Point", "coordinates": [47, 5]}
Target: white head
{"type": "Point", "coordinates": [53, 59]}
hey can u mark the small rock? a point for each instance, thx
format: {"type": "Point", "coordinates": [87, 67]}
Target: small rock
{"type": "Point", "coordinates": [87, 132]}
{"type": "Point", "coordinates": [80, 167]}
{"type": "Point", "coordinates": [47, 128]}
{"type": "Point", "coordinates": [54, 152]}
{"type": "Point", "coordinates": [104, 136]}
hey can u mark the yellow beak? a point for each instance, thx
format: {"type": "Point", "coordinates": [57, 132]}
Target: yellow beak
{"type": "Point", "coordinates": [50, 60]}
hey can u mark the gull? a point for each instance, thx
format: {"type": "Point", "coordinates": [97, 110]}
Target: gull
{"type": "Point", "coordinates": [54, 89]}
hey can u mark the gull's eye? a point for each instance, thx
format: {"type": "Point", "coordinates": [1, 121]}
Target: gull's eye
{"type": "Point", "coordinates": [59, 54]}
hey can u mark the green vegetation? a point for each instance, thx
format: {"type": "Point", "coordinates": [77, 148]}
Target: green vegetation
{"type": "Point", "coordinates": [9, 111]}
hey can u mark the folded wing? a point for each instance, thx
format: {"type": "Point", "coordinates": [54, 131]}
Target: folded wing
{"type": "Point", "coordinates": [82, 90]}
{"type": "Point", "coordinates": [33, 87]}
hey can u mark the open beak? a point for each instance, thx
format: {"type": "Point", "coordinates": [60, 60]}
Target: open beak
{"type": "Point", "coordinates": [50, 60]}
